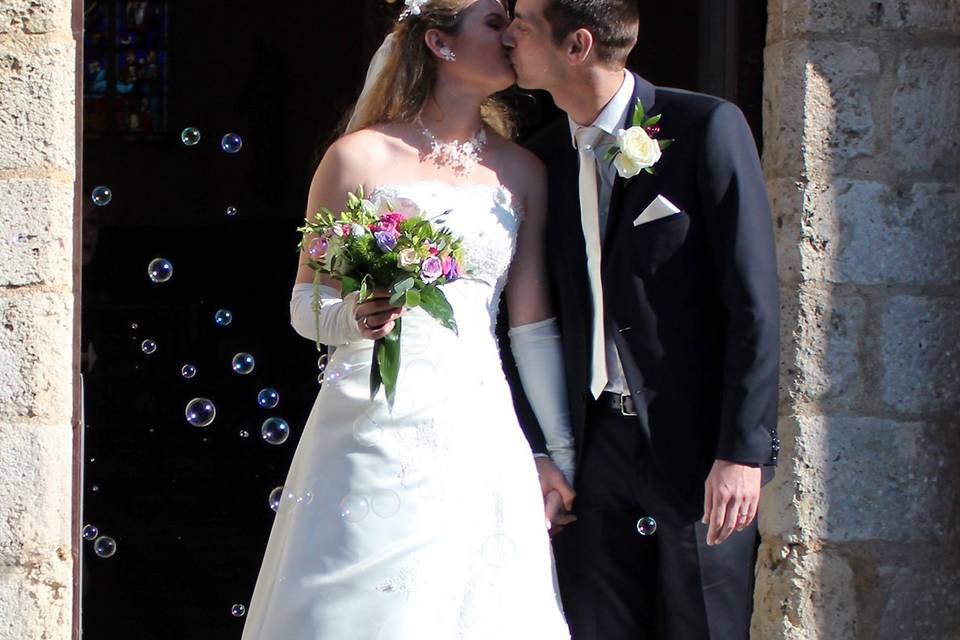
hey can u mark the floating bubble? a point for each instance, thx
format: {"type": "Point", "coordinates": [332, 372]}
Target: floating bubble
{"type": "Point", "coordinates": [223, 317]}
{"type": "Point", "coordinates": [231, 143]}
{"type": "Point", "coordinates": [134, 326]}
{"type": "Point", "coordinates": [95, 488]}
{"type": "Point", "coordinates": [275, 430]}
{"type": "Point", "coordinates": [243, 363]}
{"type": "Point", "coordinates": [101, 196]}
{"type": "Point", "coordinates": [276, 496]}
{"type": "Point", "coordinates": [354, 508]}
{"type": "Point", "coordinates": [190, 136]}
{"type": "Point", "coordinates": [148, 346]}
{"type": "Point", "coordinates": [322, 362]}
{"type": "Point", "coordinates": [188, 371]}
{"type": "Point", "coordinates": [646, 526]}
{"type": "Point", "coordinates": [366, 431]}
{"type": "Point", "coordinates": [244, 433]}
{"type": "Point", "coordinates": [90, 532]}
{"type": "Point", "coordinates": [385, 503]}
{"type": "Point", "coordinates": [238, 610]}
{"type": "Point", "coordinates": [498, 550]}
{"type": "Point", "coordinates": [268, 398]}
{"type": "Point", "coordinates": [335, 374]}
{"type": "Point", "coordinates": [105, 546]}
{"type": "Point", "coordinates": [201, 412]}
{"type": "Point", "coordinates": [306, 498]}
{"type": "Point", "coordinates": [231, 211]}
{"type": "Point", "coordinates": [160, 270]}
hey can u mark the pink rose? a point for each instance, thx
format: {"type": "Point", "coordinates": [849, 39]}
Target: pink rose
{"type": "Point", "coordinates": [430, 269]}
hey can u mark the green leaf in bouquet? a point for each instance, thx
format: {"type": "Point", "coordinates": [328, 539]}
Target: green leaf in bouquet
{"type": "Point", "coordinates": [664, 144]}
{"type": "Point", "coordinates": [436, 305]}
{"type": "Point", "coordinates": [411, 299]}
{"type": "Point", "coordinates": [639, 115]}
{"type": "Point", "coordinates": [385, 367]}
{"type": "Point", "coordinates": [402, 285]}
{"type": "Point", "coordinates": [654, 120]}
{"type": "Point", "coordinates": [365, 285]}
{"type": "Point", "coordinates": [348, 285]}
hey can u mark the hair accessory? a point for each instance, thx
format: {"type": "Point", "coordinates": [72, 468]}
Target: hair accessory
{"type": "Point", "coordinates": [413, 8]}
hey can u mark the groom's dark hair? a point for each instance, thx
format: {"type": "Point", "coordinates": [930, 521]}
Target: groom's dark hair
{"type": "Point", "coordinates": [613, 23]}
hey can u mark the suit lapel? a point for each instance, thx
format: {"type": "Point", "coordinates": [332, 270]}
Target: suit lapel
{"type": "Point", "coordinates": [640, 186]}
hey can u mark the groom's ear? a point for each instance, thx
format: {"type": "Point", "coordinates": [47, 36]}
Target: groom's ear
{"type": "Point", "coordinates": [578, 46]}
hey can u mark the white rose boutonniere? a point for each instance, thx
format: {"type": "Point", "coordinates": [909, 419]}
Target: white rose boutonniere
{"type": "Point", "coordinates": [638, 148]}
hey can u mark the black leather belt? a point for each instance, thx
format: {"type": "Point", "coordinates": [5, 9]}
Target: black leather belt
{"type": "Point", "coordinates": [622, 404]}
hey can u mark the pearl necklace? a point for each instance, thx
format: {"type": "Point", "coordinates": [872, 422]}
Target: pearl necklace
{"type": "Point", "coordinates": [461, 156]}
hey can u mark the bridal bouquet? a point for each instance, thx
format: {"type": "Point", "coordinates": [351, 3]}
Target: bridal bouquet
{"type": "Point", "coordinates": [383, 245]}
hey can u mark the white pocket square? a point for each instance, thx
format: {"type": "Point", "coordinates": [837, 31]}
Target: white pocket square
{"type": "Point", "coordinates": [659, 208]}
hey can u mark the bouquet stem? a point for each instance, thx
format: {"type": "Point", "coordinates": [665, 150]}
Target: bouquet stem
{"type": "Point", "coordinates": [385, 367]}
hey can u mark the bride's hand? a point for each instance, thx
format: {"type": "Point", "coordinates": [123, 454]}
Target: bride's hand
{"type": "Point", "coordinates": [376, 316]}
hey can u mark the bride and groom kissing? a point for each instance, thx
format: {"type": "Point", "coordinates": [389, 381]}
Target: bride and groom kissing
{"type": "Point", "coordinates": [632, 241]}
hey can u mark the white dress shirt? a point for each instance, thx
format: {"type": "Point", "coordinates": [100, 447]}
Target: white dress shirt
{"type": "Point", "coordinates": [612, 118]}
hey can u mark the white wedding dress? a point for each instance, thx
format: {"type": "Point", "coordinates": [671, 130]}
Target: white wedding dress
{"type": "Point", "coordinates": [424, 523]}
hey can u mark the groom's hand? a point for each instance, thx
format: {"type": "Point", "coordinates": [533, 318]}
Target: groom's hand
{"type": "Point", "coordinates": [731, 499]}
{"type": "Point", "coordinates": [557, 493]}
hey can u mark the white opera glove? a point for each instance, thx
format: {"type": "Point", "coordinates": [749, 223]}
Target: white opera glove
{"type": "Point", "coordinates": [334, 325]}
{"type": "Point", "coordinates": [538, 352]}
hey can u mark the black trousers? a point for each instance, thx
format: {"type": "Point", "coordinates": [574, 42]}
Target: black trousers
{"type": "Point", "coordinates": [617, 584]}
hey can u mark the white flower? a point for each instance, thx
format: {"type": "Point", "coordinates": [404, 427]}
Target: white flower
{"type": "Point", "coordinates": [638, 151]}
{"type": "Point", "coordinates": [357, 230]}
{"type": "Point", "coordinates": [408, 258]}
{"type": "Point", "coordinates": [413, 7]}
{"type": "Point", "coordinates": [626, 167]}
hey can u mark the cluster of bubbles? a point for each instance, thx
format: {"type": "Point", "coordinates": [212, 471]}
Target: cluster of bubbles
{"type": "Point", "coordinates": [103, 546]}
{"type": "Point", "coordinates": [384, 503]}
{"type": "Point", "coordinates": [230, 142]}
{"type": "Point", "coordinates": [282, 498]}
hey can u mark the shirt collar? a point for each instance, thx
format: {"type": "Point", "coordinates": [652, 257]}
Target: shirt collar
{"type": "Point", "coordinates": [614, 115]}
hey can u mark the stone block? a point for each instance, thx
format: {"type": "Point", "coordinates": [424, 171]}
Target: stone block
{"type": "Point", "coordinates": [870, 479]}
{"type": "Point", "coordinates": [921, 364]}
{"type": "Point", "coordinates": [926, 115]}
{"type": "Point", "coordinates": [34, 604]}
{"type": "Point", "coordinates": [36, 348]}
{"type": "Point", "coordinates": [36, 239]}
{"type": "Point", "coordinates": [36, 499]}
{"type": "Point", "coordinates": [862, 232]}
{"type": "Point", "coordinates": [786, 202]}
{"type": "Point", "coordinates": [827, 346]}
{"type": "Point", "coordinates": [35, 16]}
{"type": "Point", "coordinates": [37, 117]}
{"type": "Point", "coordinates": [795, 17]}
{"type": "Point", "coordinates": [803, 593]}
{"type": "Point", "coordinates": [920, 590]}
{"type": "Point", "coordinates": [818, 107]}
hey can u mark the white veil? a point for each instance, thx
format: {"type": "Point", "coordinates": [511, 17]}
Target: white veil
{"type": "Point", "coordinates": [374, 71]}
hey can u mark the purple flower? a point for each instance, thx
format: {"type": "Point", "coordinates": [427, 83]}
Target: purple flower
{"type": "Point", "coordinates": [451, 268]}
{"type": "Point", "coordinates": [431, 269]}
{"type": "Point", "coordinates": [386, 240]}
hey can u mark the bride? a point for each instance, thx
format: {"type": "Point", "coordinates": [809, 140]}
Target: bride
{"type": "Point", "coordinates": [426, 521]}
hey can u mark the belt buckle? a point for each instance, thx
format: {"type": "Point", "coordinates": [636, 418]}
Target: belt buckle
{"type": "Point", "coordinates": [624, 401]}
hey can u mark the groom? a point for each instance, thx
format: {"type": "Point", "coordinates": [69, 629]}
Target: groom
{"type": "Point", "coordinates": [665, 288]}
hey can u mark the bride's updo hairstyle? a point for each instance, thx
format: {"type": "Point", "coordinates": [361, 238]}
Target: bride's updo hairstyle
{"type": "Point", "coordinates": [409, 73]}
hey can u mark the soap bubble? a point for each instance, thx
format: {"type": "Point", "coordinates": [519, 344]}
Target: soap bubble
{"type": "Point", "coordinates": [275, 430]}
{"type": "Point", "coordinates": [190, 136]}
{"type": "Point", "coordinates": [231, 143]}
{"type": "Point", "coordinates": [646, 526]}
{"type": "Point", "coordinates": [385, 503]}
{"type": "Point", "coordinates": [244, 433]}
{"type": "Point", "coordinates": [268, 398]}
{"type": "Point", "coordinates": [201, 412]}
{"type": "Point", "coordinates": [223, 317]}
{"type": "Point", "coordinates": [105, 546]}
{"type": "Point", "coordinates": [148, 346]}
{"type": "Point", "coordinates": [90, 532]}
{"type": "Point", "coordinates": [276, 496]}
{"type": "Point", "coordinates": [243, 363]}
{"type": "Point", "coordinates": [354, 508]}
{"type": "Point", "coordinates": [238, 610]}
{"type": "Point", "coordinates": [366, 431]}
{"type": "Point", "coordinates": [322, 363]}
{"type": "Point", "coordinates": [160, 270]}
{"type": "Point", "coordinates": [188, 371]}
{"type": "Point", "coordinates": [231, 211]}
{"type": "Point", "coordinates": [101, 196]}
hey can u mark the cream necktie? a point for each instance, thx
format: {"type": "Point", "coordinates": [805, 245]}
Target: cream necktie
{"type": "Point", "coordinates": [587, 138]}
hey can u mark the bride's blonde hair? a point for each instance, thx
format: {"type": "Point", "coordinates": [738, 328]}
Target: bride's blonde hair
{"type": "Point", "coordinates": [409, 74]}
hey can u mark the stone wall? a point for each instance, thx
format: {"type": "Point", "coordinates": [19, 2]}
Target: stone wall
{"type": "Point", "coordinates": [861, 529]}
{"type": "Point", "coordinates": [37, 169]}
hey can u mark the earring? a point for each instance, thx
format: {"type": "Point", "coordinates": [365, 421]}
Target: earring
{"type": "Point", "coordinates": [446, 54]}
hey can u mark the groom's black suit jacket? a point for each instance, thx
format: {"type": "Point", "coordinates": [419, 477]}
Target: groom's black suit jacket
{"type": "Point", "coordinates": [692, 298]}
